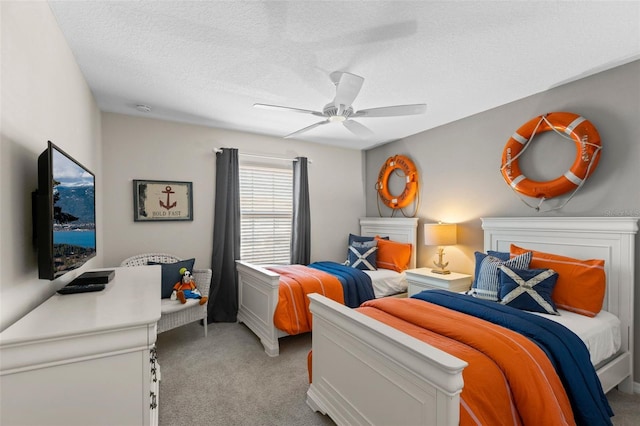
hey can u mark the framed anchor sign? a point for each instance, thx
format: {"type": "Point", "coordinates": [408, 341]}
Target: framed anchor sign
{"type": "Point", "coordinates": [162, 200]}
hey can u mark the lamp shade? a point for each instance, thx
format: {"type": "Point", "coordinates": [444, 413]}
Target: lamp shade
{"type": "Point", "coordinates": [440, 234]}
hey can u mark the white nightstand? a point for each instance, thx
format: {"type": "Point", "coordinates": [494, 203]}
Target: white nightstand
{"type": "Point", "coordinates": [423, 279]}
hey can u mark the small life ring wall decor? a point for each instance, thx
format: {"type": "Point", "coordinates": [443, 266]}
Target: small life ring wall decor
{"type": "Point", "coordinates": [569, 125]}
{"type": "Point", "coordinates": [397, 163]}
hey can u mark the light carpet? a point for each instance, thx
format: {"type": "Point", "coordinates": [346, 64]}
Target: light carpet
{"type": "Point", "coordinates": [227, 379]}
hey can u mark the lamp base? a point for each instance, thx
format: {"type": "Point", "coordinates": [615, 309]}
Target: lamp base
{"type": "Point", "coordinates": [440, 264]}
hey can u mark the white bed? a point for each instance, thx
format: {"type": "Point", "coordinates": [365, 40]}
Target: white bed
{"type": "Point", "coordinates": [258, 287]}
{"type": "Point", "coordinates": [358, 361]}
{"type": "Point", "coordinates": [601, 334]}
{"type": "Point", "coordinates": [386, 283]}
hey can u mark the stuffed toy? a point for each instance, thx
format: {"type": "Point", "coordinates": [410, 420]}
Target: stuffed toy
{"type": "Point", "coordinates": [186, 289]}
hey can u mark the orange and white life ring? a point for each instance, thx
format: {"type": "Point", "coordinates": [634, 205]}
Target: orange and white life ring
{"type": "Point", "coordinates": [397, 162]}
{"type": "Point", "coordinates": [588, 147]}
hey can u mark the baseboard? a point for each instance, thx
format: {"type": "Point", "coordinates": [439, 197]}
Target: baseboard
{"type": "Point", "coordinates": [636, 387]}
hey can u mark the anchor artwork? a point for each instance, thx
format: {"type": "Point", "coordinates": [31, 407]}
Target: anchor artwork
{"type": "Point", "coordinates": [155, 200]}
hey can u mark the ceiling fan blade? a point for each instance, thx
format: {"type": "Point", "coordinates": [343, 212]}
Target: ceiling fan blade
{"type": "Point", "coordinates": [280, 108]}
{"type": "Point", "coordinates": [358, 129]}
{"type": "Point", "coordinates": [306, 129]}
{"type": "Point", "coordinates": [392, 111]}
{"type": "Point", "coordinates": [382, 33]}
{"type": "Point", "coordinates": [347, 88]}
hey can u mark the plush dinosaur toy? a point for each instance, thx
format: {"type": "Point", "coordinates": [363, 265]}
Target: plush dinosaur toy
{"type": "Point", "coordinates": [186, 289]}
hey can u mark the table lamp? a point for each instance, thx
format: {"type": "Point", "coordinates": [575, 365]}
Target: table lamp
{"type": "Point", "coordinates": [440, 234]}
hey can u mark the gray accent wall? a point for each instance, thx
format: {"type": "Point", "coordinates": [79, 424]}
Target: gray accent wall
{"type": "Point", "coordinates": [459, 165]}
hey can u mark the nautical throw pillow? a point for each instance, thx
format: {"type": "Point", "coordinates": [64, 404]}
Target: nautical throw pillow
{"type": "Point", "coordinates": [171, 274]}
{"type": "Point", "coordinates": [502, 255]}
{"type": "Point", "coordinates": [362, 255]}
{"type": "Point", "coordinates": [488, 281]}
{"type": "Point", "coordinates": [528, 289]}
{"type": "Point", "coordinates": [361, 239]}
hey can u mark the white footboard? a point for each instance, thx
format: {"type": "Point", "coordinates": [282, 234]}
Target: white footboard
{"type": "Point", "coordinates": [366, 372]}
{"type": "Point", "coordinates": [257, 300]}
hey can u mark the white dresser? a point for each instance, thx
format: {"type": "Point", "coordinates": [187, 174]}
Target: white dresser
{"type": "Point", "coordinates": [87, 358]}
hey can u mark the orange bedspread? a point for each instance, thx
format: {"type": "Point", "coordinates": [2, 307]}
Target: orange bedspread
{"type": "Point", "coordinates": [509, 380]}
{"type": "Point", "coordinates": [296, 281]}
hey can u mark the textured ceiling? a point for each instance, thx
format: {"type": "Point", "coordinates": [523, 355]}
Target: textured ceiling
{"type": "Point", "coordinates": [208, 62]}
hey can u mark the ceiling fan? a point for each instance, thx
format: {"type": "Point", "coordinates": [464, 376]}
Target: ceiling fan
{"type": "Point", "coordinates": [340, 110]}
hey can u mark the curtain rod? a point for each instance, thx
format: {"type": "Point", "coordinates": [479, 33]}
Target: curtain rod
{"type": "Point", "coordinates": [269, 157]}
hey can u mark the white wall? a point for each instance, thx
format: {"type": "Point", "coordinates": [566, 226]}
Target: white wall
{"type": "Point", "coordinates": [44, 97]}
{"type": "Point", "coordinates": [459, 165]}
{"type": "Point", "coordinates": [143, 148]}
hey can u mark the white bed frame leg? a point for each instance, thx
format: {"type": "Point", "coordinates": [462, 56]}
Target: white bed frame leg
{"type": "Point", "coordinates": [626, 385]}
{"type": "Point", "coordinates": [257, 300]}
{"type": "Point", "coordinates": [313, 402]}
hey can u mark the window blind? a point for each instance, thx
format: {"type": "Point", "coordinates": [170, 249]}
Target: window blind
{"type": "Point", "coordinates": [266, 210]}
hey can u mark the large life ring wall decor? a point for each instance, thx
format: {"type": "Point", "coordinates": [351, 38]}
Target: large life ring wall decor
{"type": "Point", "coordinates": [570, 126]}
{"type": "Point", "coordinates": [405, 168]}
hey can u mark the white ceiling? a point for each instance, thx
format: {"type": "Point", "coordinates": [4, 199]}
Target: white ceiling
{"type": "Point", "coordinates": [208, 62]}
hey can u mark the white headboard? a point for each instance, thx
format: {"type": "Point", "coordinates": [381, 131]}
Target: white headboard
{"type": "Point", "coordinates": [401, 229]}
{"type": "Point", "coordinates": [608, 238]}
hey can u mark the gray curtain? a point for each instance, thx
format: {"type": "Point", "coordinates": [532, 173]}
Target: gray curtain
{"type": "Point", "coordinates": [223, 296]}
{"type": "Point", "coordinates": [301, 226]}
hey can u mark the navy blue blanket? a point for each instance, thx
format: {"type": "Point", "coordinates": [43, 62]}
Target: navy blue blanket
{"type": "Point", "coordinates": [567, 352]}
{"type": "Point", "coordinates": [356, 285]}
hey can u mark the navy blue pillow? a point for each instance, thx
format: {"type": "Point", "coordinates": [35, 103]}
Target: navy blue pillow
{"type": "Point", "coordinates": [360, 239]}
{"type": "Point", "coordinates": [171, 274]}
{"type": "Point", "coordinates": [363, 255]}
{"type": "Point", "coordinates": [487, 285]}
{"type": "Point", "coordinates": [502, 255]}
{"type": "Point", "coordinates": [528, 289]}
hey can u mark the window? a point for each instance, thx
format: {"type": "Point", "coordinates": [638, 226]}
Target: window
{"type": "Point", "coordinates": [266, 211]}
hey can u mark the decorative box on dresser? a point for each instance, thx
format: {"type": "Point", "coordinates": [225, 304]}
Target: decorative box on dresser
{"type": "Point", "coordinates": [86, 358]}
{"type": "Point", "coordinates": [420, 279]}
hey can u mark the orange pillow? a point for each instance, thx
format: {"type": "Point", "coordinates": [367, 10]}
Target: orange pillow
{"type": "Point", "coordinates": [581, 283]}
{"type": "Point", "coordinates": [393, 255]}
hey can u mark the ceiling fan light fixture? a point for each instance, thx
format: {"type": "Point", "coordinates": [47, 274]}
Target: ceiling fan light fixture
{"type": "Point", "coordinates": [334, 114]}
{"type": "Point", "coordinates": [337, 118]}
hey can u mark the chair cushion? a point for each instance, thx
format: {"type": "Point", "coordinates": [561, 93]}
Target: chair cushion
{"type": "Point", "coordinates": [171, 274]}
{"type": "Point", "coordinates": [168, 306]}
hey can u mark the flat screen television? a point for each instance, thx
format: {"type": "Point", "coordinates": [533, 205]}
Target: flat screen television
{"type": "Point", "coordinates": [64, 214]}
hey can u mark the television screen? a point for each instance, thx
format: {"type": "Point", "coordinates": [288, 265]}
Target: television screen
{"type": "Point", "coordinates": [66, 230]}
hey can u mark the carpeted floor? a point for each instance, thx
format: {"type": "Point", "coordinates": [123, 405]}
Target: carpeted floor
{"type": "Point", "coordinates": [227, 379]}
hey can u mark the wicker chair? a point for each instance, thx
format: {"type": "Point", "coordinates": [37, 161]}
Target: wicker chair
{"type": "Point", "coordinates": [173, 313]}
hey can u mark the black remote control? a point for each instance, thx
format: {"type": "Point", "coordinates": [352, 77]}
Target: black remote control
{"type": "Point", "coordinates": [83, 288]}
